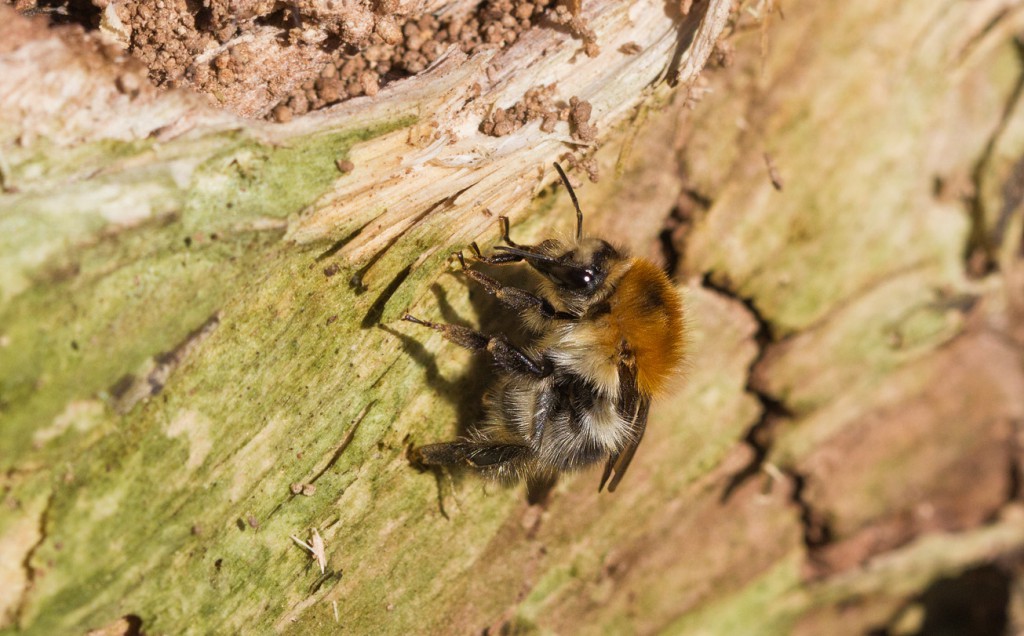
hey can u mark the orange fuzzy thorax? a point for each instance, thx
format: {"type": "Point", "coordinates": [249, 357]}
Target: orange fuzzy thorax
{"type": "Point", "coordinates": [647, 312]}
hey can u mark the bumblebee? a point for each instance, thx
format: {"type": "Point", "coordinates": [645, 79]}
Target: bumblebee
{"type": "Point", "coordinates": [610, 338]}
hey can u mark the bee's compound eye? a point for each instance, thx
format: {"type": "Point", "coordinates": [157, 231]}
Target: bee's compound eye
{"type": "Point", "coordinates": [568, 275]}
{"type": "Point", "coordinates": [580, 278]}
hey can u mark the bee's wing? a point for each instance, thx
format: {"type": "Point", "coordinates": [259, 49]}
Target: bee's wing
{"type": "Point", "coordinates": [633, 407]}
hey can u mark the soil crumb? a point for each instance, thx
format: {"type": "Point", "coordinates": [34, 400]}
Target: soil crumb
{"type": "Point", "coordinates": [539, 104]}
{"type": "Point", "coordinates": [630, 48]}
{"type": "Point", "coordinates": [279, 59]}
{"type": "Point", "coordinates": [585, 164]}
{"type": "Point", "coordinates": [565, 16]}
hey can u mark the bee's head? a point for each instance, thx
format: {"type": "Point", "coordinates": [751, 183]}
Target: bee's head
{"type": "Point", "coordinates": [579, 270]}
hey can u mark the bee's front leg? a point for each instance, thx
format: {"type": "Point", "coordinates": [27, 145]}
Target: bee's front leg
{"type": "Point", "coordinates": [501, 258]}
{"type": "Point", "coordinates": [513, 297]}
{"type": "Point", "coordinates": [503, 220]}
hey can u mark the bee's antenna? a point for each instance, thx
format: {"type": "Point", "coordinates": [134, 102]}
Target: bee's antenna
{"type": "Point", "coordinates": [525, 254]}
{"type": "Point", "coordinates": [575, 202]}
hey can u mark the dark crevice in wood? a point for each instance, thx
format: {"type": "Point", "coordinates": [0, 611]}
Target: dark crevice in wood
{"type": "Point", "coordinates": [64, 12]}
{"type": "Point", "coordinates": [670, 253]}
{"type": "Point", "coordinates": [344, 444]}
{"type": "Point", "coordinates": [1015, 479]}
{"type": "Point", "coordinates": [133, 625]}
{"type": "Point", "coordinates": [759, 438]}
{"type": "Point", "coordinates": [691, 206]}
{"type": "Point", "coordinates": [981, 34]}
{"type": "Point", "coordinates": [816, 527]}
{"type": "Point", "coordinates": [976, 601]}
{"type": "Point", "coordinates": [26, 563]}
{"type": "Point", "coordinates": [981, 253]}
{"type": "Point", "coordinates": [539, 490]}
{"type": "Point", "coordinates": [1013, 201]}
{"type": "Point", "coordinates": [202, 14]}
{"type": "Point", "coordinates": [129, 389]}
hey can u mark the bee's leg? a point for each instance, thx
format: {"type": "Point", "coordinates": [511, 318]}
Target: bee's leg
{"type": "Point", "coordinates": [506, 462]}
{"type": "Point", "coordinates": [506, 355]}
{"type": "Point", "coordinates": [503, 221]}
{"type": "Point", "coordinates": [471, 453]}
{"type": "Point", "coordinates": [501, 258]}
{"type": "Point", "coordinates": [512, 297]}
{"type": "Point", "coordinates": [497, 259]}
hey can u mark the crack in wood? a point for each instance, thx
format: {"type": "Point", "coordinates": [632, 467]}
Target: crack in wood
{"type": "Point", "coordinates": [990, 27]}
{"type": "Point", "coordinates": [343, 445]}
{"type": "Point", "coordinates": [129, 390]}
{"type": "Point", "coordinates": [26, 563]}
{"type": "Point", "coordinates": [814, 525]}
{"type": "Point", "coordinates": [336, 453]}
{"type": "Point", "coordinates": [983, 242]}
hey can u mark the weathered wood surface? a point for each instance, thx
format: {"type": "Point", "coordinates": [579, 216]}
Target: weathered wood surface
{"type": "Point", "coordinates": [174, 354]}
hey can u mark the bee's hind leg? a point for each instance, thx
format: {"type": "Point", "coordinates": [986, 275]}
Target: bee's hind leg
{"type": "Point", "coordinates": [504, 460]}
{"type": "Point", "coordinates": [471, 453]}
{"type": "Point", "coordinates": [506, 355]}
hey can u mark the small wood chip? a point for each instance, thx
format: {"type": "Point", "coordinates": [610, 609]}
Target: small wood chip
{"type": "Point", "coordinates": [316, 547]}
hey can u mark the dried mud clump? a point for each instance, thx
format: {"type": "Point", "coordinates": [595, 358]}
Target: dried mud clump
{"type": "Point", "coordinates": [578, 27]}
{"type": "Point", "coordinates": [584, 164]}
{"type": "Point", "coordinates": [279, 59]}
{"type": "Point", "coordinates": [401, 49]}
{"type": "Point", "coordinates": [630, 48]}
{"type": "Point", "coordinates": [579, 120]}
{"type": "Point", "coordinates": [538, 104]}
{"type": "Point", "coordinates": [164, 37]}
